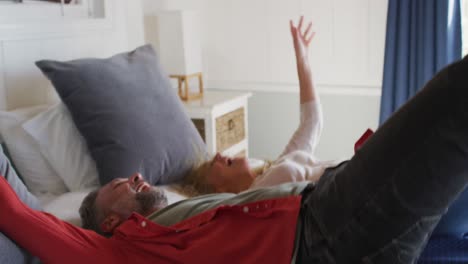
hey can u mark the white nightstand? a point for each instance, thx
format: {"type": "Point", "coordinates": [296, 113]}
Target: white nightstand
{"type": "Point", "coordinates": [221, 119]}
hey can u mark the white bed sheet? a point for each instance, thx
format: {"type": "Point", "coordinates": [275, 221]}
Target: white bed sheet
{"type": "Point", "coordinates": [66, 206]}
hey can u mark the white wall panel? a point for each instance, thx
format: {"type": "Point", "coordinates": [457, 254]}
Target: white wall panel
{"type": "Point", "coordinates": [346, 53]}
{"type": "Point", "coordinates": [350, 42]}
{"type": "Point", "coordinates": [322, 47]}
{"type": "Point", "coordinates": [247, 46]}
{"type": "Point", "coordinates": [346, 118]}
{"type": "Point", "coordinates": [248, 41]}
{"type": "Point", "coordinates": [236, 40]}
{"type": "Point", "coordinates": [347, 50]}
{"type": "Point", "coordinates": [134, 23]}
{"type": "Point", "coordinates": [23, 43]}
{"type": "Point", "coordinates": [217, 41]}
{"type": "Point", "coordinates": [250, 54]}
{"type": "Point", "coordinates": [24, 83]}
{"type": "Point", "coordinates": [274, 116]}
{"type": "Point", "coordinates": [377, 32]}
{"type": "Point", "coordinates": [280, 60]}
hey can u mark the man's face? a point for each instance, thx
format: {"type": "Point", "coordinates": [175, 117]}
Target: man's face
{"type": "Point", "coordinates": [126, 195]}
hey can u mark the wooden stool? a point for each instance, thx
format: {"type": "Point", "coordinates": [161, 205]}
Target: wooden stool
{"type": "Point", "coordinates": [183, 86]}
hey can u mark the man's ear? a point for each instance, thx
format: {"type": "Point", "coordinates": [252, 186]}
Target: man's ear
{"type": "Point", "coordinates": [111, 222]}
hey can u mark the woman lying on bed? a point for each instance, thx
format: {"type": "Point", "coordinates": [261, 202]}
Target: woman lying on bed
{"type": "Point", "coordinates": [379, 207]}
{"type": "Point", "coordinates": [296, 163]}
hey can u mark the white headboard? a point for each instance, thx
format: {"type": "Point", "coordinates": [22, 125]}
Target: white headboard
{"type": "Point", "coordinates": [24, 42]}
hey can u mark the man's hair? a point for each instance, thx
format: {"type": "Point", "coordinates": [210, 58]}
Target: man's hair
{"type": "Point", "coordinates": [90, 216]}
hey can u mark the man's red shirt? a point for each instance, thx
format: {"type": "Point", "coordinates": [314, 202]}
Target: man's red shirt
{"type": "Point", "coordinates": [258, 232]}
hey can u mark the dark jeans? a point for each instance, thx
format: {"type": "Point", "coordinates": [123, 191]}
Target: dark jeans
{"type": "Point", "coordinates": [381, 206]}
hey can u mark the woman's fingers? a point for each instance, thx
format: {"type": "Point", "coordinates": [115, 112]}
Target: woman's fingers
{"type": "Point", "coordinates": [309, 26]}
{"type": "Point", "coordinates": [299, 36]}
{"type": "Point", "coordinates": [309, 39]}
{"type": "Point", "coordinates": [295, 31]}
{"type": "Point", "coordinates": [299, 26]}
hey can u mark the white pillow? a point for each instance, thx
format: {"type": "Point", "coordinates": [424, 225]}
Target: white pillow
{"type": "Point", "coordinates": [66, 206]}
{"type": "Point", "coordinates": [63, 147]}
{"type": "Point", "coordinates": [16, 116]}
{"type": "Point", "coordinates": [37, 174]}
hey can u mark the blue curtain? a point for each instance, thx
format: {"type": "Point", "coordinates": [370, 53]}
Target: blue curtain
{"type": "Point", "coordinates": [423, 36]}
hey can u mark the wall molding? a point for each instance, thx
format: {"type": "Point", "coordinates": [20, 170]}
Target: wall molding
{"type": "Point", "coordinates": [322, 88]}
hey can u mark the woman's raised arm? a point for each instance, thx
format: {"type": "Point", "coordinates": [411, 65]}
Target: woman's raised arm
{"type": "Point", "coordinates": [308, 133]}
{"type": "Point", "coordinates": [302, 39]}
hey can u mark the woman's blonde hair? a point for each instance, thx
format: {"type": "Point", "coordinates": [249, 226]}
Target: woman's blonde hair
{"type": "Point", "coordinates": [195, 183]}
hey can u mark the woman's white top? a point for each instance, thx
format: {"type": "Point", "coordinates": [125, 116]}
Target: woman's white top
{"type": "Point", "coordinates": [297, 162]}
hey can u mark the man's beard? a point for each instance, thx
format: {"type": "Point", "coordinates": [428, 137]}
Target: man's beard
{"type": "Point", "coordinates": [148, 201]}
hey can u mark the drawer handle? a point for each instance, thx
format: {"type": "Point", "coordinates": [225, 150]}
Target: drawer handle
{"type": "Point", "coordinates": [231, 124]}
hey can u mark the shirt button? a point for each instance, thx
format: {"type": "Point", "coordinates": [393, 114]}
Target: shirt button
{"type": "Point", "coordinates": [245, 209]}
{"type": "Point", "coordinates": [143, 224]}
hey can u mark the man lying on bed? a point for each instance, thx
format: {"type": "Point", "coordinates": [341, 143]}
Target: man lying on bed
{"type": "Point", "coordinates": [379, 207]}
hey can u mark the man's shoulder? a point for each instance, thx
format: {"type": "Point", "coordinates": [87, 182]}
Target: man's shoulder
{"type": "Point", "coordinates": [184, 209]}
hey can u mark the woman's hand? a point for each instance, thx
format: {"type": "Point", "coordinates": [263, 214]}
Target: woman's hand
{"type": "Point", "coordinates": [301, 38]}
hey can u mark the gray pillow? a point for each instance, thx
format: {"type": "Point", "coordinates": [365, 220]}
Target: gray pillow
{"type": "Point", "coordinates": [131, 118]}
